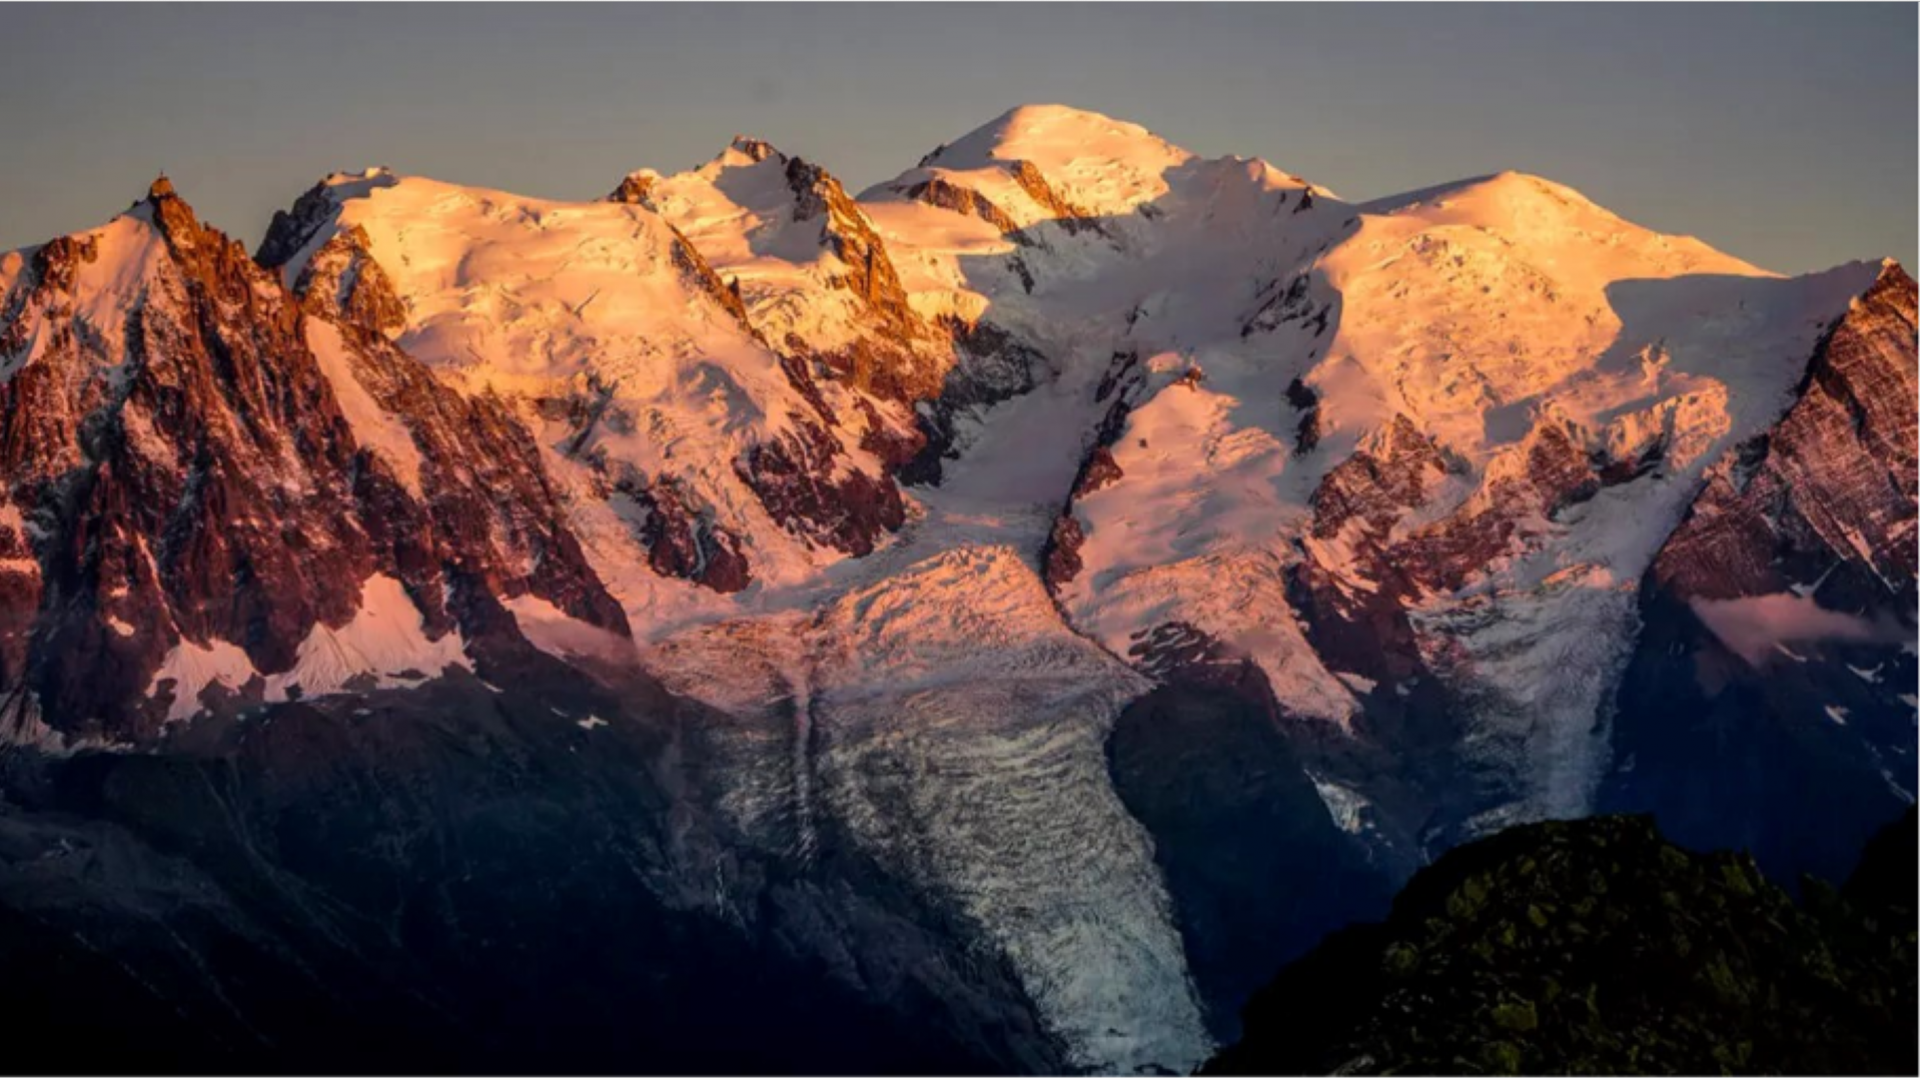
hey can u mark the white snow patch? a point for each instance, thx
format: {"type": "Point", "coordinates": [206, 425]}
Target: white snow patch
{"type": "Point", "coordinates": [557, 633]}
{"type": "Point", "coordinates": [374, 428]}
{"type": "Point", "coordinates": [383, 645]}
{"type": "Point", "coordinates": [192, 668]}
{"type": "Point", "coordinates": [386, 639]}
{"type": "Point", "coordinates": [1346, 806]}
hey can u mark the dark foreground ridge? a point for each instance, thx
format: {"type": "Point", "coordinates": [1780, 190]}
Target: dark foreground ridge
{"type": "Point", "coordinates": [1595, 947]}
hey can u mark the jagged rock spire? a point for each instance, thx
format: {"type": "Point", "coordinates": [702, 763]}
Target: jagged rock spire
{"type": "Point", "coordinates": [635, 189]}
{"type": "Point", "coordinates": [757, 149]}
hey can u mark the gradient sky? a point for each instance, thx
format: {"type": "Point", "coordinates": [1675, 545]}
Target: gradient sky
{"type": "Point", "coordinates": [1785, 134]}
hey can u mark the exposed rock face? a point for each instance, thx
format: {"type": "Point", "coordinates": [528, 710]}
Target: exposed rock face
{"type": "Point", "coordinates": [816, 282]}
{"type": "Point", "coordinates": [847, 233]}
{"type": "Point", "coordinates": [1364, 574]}
{"type": "Point", "coordinates": [192, 478]}
{"type": "Point", "coordinates": [493, 514]}
{"type": "Point", "coordinates": [585, 365]}
{"type": "Point", "coordinates": [292, 229]}
{"type": "Point", "coordinates": [1374, 487]}
{"type": "Point", "coordinates": [695, 271]}
{"type": "Point", "coordinates": [1073, 219]}
{"type": "Point", "coordinates": [1099, 471]}
{"type": "Point", "coordinates": [343, 282]}
{"type": "Point", "coordinates": [991, 365]}
{"type": "Point", "coordinates": [882, 359]}
{"type": "Point", "coordinates": [1060, 557]}
{"type": "Point", "coordinates": [1306, 403]}
{"type": "Point", "coordinates": [1833, 480]}
{"type": "Point", "coordinates": [1360, 624]}
{"type": "Point", "coordinates": [1769, 691]}
{"type": "Point", "coordinates": [636, 188]}
{"type": "Point", "coordinates": [937, 191]}
{"type": "Point", "coordinates": [1293, 303]}
{"type": "Point", "coordinates": [795, 479]}
{"type": "Point", "coordinates": [684, 544]}
{"type": "Point", "coordinates": [1550, 474]}
{"type": "Point", "coordinates": [754, 149]}
{"type": "Point", "coordinates": [1360, 501]}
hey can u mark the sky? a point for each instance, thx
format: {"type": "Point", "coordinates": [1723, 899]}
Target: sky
{"type": "Point", "coordinates": [1783, 134]}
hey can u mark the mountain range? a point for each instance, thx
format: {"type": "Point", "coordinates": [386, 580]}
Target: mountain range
{"type": "Point", "coordinates": [988, 622]}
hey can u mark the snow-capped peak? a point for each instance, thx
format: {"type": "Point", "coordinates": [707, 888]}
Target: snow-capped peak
{"type": "Point", "coordinates": [1071, 162]}
{"type": "Point", "coordinates": [1052, 135]}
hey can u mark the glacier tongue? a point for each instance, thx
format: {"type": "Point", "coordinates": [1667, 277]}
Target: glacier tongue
{"type": "Point", "coordinates": [946, 721]}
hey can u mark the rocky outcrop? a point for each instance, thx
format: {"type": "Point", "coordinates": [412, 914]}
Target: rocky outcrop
{"type": "Point", "coordinates": [1375, 486]}
{"type": "Point", "coordinates": [1506, 516]}
{"type": "Point", "coordinates": [1306, 405]}
{"type": "Point", "coordinates": [295, 228]}
{"type": "Point", "coordinates": [1280, 305]}
{"type": "Point", "coordinates": [1768, 702]}
{"type": "Point", "coordinates": [341, 281]}
{"type": "Point", "coordinates": [1361, 575]}
{"type": "Point", "coordinates": [889, 357]}
{"type": "Point", "coordinates": [684, 544]}
{"type": "Point", "coordinates": [193, 478]}
{"type": "Point", "coordinates": [756, 150]}
{"type": "Point", "coordinates": [1353, 608]}
{"type": "Point", "coordinates": [695, 271]}
{"type": "Point", "coordinates": [990, 365]}
{"type": "Point", "coordinates": [937, 191]}
{"type": "Point", "coordinates": [635, 189]}
{"type": "Point", "coordinates": [1832, 481]}
{"type": "Point", "coordinates": [1060, 554]}
{"type": "Point", "coordinates": [1071, 218]}
{"type": "Point", "coordinates": [797, 481]}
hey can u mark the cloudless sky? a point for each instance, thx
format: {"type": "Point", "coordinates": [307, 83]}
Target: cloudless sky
{"type": "Point", "coordinates": [1785, 134]}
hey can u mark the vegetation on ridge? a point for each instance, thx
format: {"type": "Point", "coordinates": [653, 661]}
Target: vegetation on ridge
{"type": "Point", "coordinates": [1596, 946]}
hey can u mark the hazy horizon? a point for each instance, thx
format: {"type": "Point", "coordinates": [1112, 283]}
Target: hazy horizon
{"type": "Point", "coordinates": [1782, 134]}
